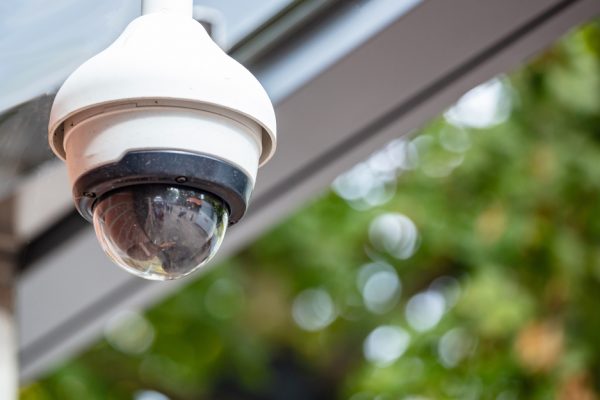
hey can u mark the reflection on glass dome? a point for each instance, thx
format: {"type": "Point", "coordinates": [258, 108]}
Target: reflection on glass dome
{"type": "Point", "coordinates": [160, 232]}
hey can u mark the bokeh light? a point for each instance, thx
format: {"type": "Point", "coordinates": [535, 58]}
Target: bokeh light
{"type": "Point", "coordinates": [454, 138]}
{"type": "Point", "coordinates": [380, 287]}
{"type": "Point", "coordinates": [484, 106]}
{"type": "Point", "coordinates": [425, 310]}
{"type": "Point", "coordinates": [313, 309]}
{"type": "Point", "coordinates": [402, 154]}
{"type": "Point", "coordinates": [129, 332]}
{"type": "Point", "coordinates": [149, 395]}
{"type": "Point", "coordinates": [373, 182]}
{"type": "Point", "coordinates": [434, 161]}
{"type": "Point", "coordinates": [364, 187]}
{"type": "Point", "coordinates": [395, 234]}
{"type": "Point", "coordinates": [454, 346]}
{"type": "Point", "coordinates": [386, 344]}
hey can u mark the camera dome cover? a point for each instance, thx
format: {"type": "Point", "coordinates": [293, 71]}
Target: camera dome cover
{"type": "Point", "coordinates": [160, 232]}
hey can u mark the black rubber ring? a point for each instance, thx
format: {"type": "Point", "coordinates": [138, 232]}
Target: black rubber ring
{"type": "Point", "coordinates": [175, 168]}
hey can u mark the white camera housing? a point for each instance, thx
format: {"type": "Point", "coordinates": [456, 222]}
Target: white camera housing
{"type": "Point", "coordinates": [163, 105]}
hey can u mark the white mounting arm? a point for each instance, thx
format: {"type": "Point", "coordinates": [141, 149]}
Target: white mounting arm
{"type": "Point", "coordinates": [179, 6]}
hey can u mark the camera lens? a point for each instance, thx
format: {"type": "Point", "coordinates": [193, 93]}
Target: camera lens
{"type": "Point", "coordinates": [160, 232]}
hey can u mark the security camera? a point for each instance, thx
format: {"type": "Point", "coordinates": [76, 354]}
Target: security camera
{"type": "Point", "coordinates": [162, 134]}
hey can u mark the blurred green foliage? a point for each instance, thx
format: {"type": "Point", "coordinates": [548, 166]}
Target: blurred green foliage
{"type": "Point", "coordinates": [508, 214]}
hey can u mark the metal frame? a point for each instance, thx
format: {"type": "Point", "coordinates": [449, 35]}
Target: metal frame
{"type": "Point", "coordinates": [384, 88]}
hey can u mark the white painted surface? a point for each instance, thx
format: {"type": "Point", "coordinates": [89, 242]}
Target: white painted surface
{"type": "Point", "coordinates": [9, 372]}
{"type": "Point", "coordinates": [41, 200]}
{"type": "Point", "coordinates": [107, 137]}
{"type": "Point", "coordinates": [178, 6]}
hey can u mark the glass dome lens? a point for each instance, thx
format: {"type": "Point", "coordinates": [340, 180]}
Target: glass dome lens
{"type": "Point", "coordinates": [160, 232]}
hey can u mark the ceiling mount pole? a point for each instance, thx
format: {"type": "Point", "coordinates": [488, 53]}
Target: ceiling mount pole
{"type": "Point", "coordinates": [179, 6]}
{"type": "Point", "coordinates": [9, 371]}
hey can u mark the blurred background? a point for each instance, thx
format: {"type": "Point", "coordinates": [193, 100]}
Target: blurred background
{"type": "Point", "coordinates": [430, 227]}
{"type": "Point", "coordinates": [460, 263]}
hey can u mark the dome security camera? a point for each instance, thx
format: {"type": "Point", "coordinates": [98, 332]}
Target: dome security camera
{"type": "Point", "coordinates": [162, 134]}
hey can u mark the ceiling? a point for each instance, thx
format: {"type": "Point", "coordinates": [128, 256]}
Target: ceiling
{"type": "Point", "coordinates": [42, 43]}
